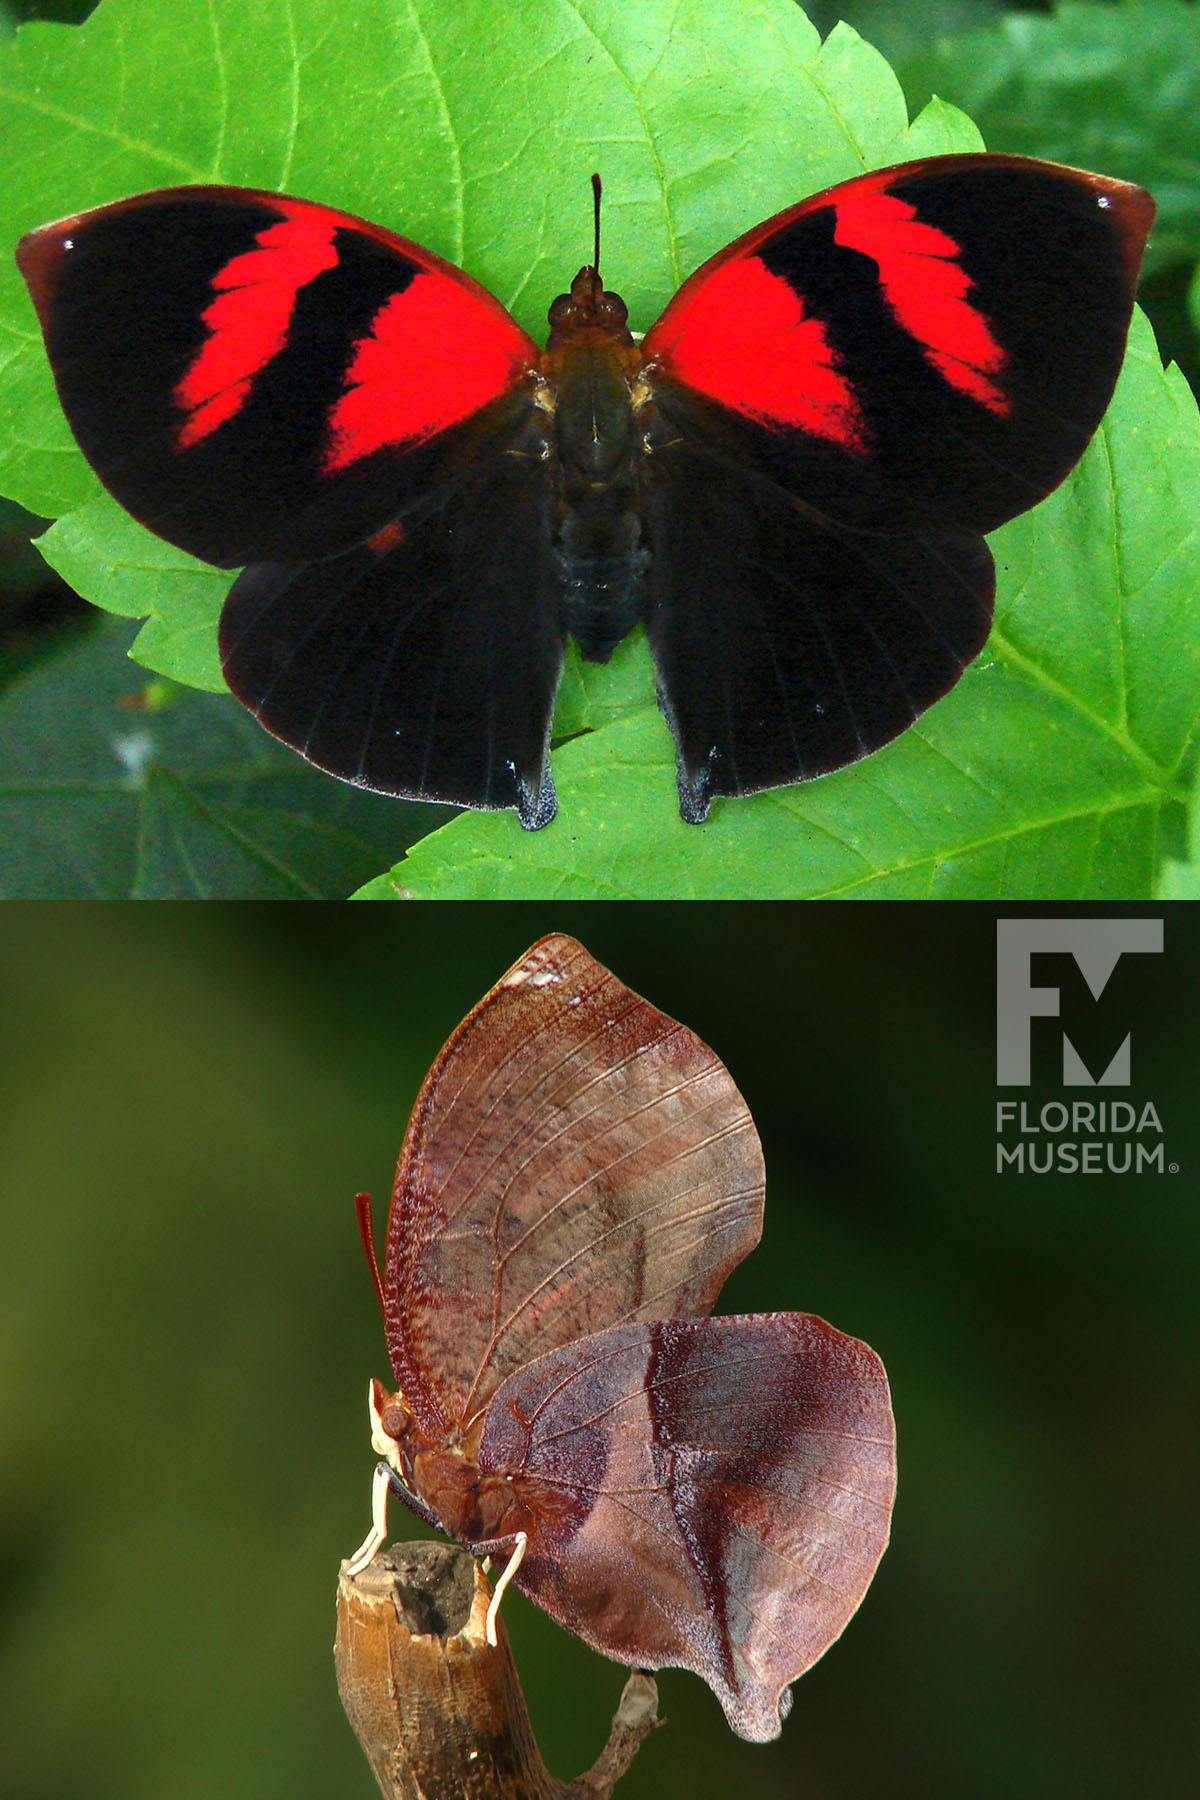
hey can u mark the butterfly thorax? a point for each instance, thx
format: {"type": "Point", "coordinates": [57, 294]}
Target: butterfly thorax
{"type": "Point", "coordinates": [444, 1475]}
{"type": "Point", "coordinates": [592, 362]}
{"type": "Point", "coordinates": [473, 1507]}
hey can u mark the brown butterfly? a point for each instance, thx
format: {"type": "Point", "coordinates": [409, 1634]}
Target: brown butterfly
{"type": "Point", "coordinates": [579, 1177]}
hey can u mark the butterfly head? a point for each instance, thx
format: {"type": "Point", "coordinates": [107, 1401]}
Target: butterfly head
{"type": "Point", "coordinates": [589, 314]}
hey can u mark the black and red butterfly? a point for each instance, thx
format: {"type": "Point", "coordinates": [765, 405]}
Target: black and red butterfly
{"type": "Point", "coordinates": [787, 481]}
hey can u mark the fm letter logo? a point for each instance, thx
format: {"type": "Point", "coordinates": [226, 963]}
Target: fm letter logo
{"type": "Point", "coordinates": [1097, 946]}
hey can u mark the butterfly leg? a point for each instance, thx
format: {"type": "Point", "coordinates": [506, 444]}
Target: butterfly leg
{"type": "Point", "coordinates": [377, 1536]}
{"type": "Point", "coordinates": [510, 1569]}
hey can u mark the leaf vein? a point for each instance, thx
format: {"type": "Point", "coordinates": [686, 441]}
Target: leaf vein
{"type": "Point", "coordinates": [137, 146]}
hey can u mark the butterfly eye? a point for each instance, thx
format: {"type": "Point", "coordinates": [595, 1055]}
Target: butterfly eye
{"type": "Point", "coordinates": [612, 310]}
{"type": "Point", "coordinates": [563, 311]}
{"type": "Point", "coordinates": [396, 1422]}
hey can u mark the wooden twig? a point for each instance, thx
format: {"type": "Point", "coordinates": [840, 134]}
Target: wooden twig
{"type": "Point", "coordinates": [635, 1718]}
{"type": "Point", "coordinates": [437, 1709]}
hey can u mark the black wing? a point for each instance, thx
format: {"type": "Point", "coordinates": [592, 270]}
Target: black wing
{"type": "Point", "coordinates": [843, 401]}
{"type": "Point", "coordinates": [425, 662]}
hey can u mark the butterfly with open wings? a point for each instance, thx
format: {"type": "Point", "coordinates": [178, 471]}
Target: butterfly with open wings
{"type": "Point", "coordinates": [786, 482]}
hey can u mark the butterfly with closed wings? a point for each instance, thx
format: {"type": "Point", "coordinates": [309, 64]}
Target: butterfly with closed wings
{"type": "Point", "coordinates": [579, 1177]}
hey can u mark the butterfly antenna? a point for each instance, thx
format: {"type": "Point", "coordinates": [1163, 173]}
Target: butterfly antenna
{"type": "Point", "coordinates": [596, 211]}
{"type": "Point", "coordinates": [362, 1206]}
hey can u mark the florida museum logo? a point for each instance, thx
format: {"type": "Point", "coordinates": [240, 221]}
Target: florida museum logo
{"type": "Point", "coordinates": [1104, 1132]}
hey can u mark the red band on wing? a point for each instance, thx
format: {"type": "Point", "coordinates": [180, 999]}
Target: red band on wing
{"type": "Point", "coordinates": [742, 336]}
{"type": "Point", "coordinates": [926, 288]}
{"type": "Point", "coordinates": [248, 321]}
{"type": "Point", "coordinates": [435, 353]}
{"type": "Point", "coordinates": [387, 539]}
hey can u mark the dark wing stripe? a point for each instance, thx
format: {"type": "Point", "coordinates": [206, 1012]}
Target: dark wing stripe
{"type": "Point", "coordinates": [248, 321]}
{"type": "Point", "coordinates": [926, 287]}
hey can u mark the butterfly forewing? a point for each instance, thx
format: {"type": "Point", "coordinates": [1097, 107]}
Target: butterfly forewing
{"type": "Point", "coordinates": [954, 328]}
{"type": "Point", "coordinates": [575, 1160]}
{"type": "Point", "coordinates": [257, 377]}
{"type": "Point", "coordinates": [730, 1484]}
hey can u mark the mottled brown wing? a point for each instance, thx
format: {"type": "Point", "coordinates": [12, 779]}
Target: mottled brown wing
{"type": "Point", "coordinates": [708, 1494]}
{"type": "Point", "coordinates": [575, 1161]}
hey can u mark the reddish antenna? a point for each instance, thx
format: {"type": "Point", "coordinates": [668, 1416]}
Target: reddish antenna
{"type": "Point", "coordinates": [362, 1206]}
{"type": "Point", "coordinates": [596, 209]}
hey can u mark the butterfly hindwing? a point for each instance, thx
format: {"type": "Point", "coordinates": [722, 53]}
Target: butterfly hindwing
{"type": "Point", "coordinates": [844, 400]}
{"type": "Point", "coordinates": [786, 641]}
{"type": "Point", "coordinates": [259, 378]}
{"type": "Point", "coordinates": [711, 1494]}
{"type": "Point", "coordinates": [424, 662]}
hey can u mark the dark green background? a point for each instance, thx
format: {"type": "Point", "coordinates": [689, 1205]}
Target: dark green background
{"type": "Point", "coordinates": [189, 1098]}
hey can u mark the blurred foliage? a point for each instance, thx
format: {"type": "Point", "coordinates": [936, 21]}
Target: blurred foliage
{"type": "Point", "coordinates": [899, 31]}
{"type": "Point", "coordinates": [161, 793]}
{"type": "Point", "coordinates": [189, 1099]}
{"type": "Point", "coordinates": [39, 613]}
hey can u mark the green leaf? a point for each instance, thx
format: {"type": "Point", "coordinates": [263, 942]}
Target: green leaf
{"type": "Point", "coordinates": [111, 789]}
{"type": "Point", "coordinates": [1115, 88]}
{"type": "Point", "coordinates": [592, 695]}
{"type": "Point", "coordinates": [1181, 880]}
{"type": "Point", "coordinates": [103, 553]}
{"type": "Point", "coordinates": [1055, 769]}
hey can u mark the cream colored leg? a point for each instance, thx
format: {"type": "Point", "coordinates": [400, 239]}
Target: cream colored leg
{"type": "Point", "coordinates": [377, 1536]}
{"type": "Point", "coordinates": [510, 1569]}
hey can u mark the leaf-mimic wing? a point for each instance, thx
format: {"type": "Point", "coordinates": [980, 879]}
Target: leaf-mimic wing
{"type": "Point", "coordinates": [575, 1160]}
{"type": "Point", "coordinates": [707, 1494]}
